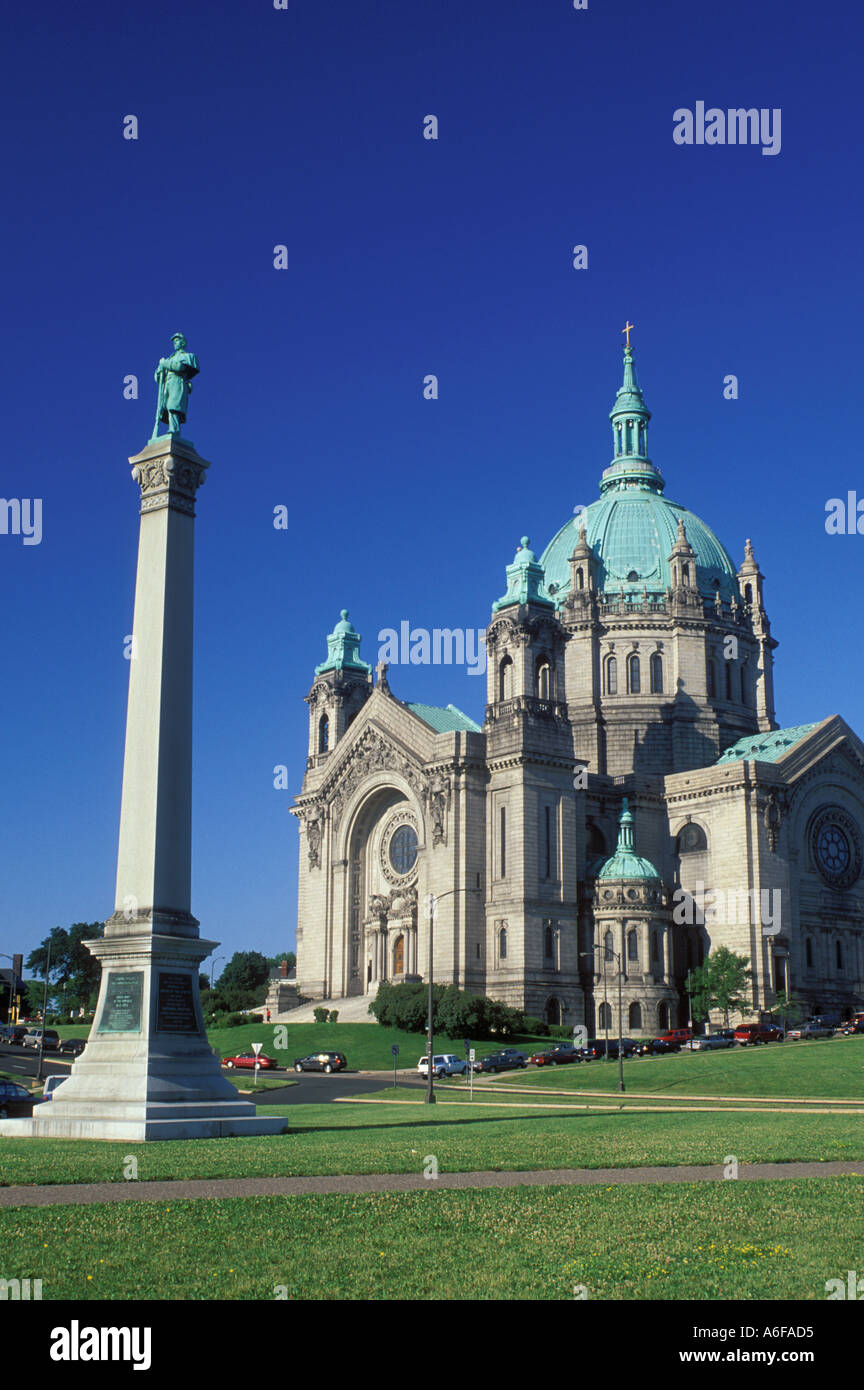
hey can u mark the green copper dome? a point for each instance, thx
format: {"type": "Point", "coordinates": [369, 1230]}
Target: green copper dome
{"type": "Point", "coordinates": [625, 863]}
{"type": "Point", "coordinates": [632, 527]}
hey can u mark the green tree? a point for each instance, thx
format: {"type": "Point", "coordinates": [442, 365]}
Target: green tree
{"type": "Point", "coordinates": [728, 977]}
{"type": "Point", "coordinates": [246, 970]}
{"type": "Point", "coordinates": [71, 964]}
{"type": "Point", "coordinates": [699, 989]}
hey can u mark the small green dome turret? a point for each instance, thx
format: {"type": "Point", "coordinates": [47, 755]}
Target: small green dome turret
{"type": "Point", "coordinates": [524, 580]}
{"type": "Point", "coordinates": [343, 649]}
{"type": "Point", "coordinates": [625, 863]}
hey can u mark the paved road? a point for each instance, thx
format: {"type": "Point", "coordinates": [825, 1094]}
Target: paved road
{"type": "Point", "coordinates": [22, 1061]}
{"type": "Point", "coordinates": [313, 1088]}
{"type": "Point", "coordinates": [83, 1194]}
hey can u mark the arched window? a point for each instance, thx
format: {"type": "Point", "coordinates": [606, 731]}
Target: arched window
{"type": "Point", "coordinates": [611, 676]}
{"type": "Point", "coordinates": [580, 579]}
{"type": "Point", "coordinates": [728, 680]}
{"type": "Point", "coordinates": [596, 840]}
{"type": "Point", "coordinates": [607, 946]}
{"type": "Point", "coordinates": [748, 592]}
{"type": "Point", "coordinates": [553, 1010]}
{"type": "Point", "coordinates": [323, 734]}
{"type": "Point", "coordinates": [505, 678]}
{"type": "Point", "coordinates": [663, 1017]}
{"type": "Point", "coordinates": [548, 943]}
{"type": "Point", "coordinates": [544, 678]}
{"type": "Point", "coordinates": [502, 944]}
{"type": "Point", "coordinates": [634, 678]}
{"type": "Point", "coordinates": [712, 680]}
{"type": "Point", "coordinates": [692, 840]}
{"type": "Point", "coordinates": [605, 1015]}
{"type": "Point", "coordinates": [808, 953]}
{"type": "Point", "coordinates": [632, 946]}
{"type": "Point", "coordinates": [655, 946]}
{"type": "Point", "coordinates": [399, 956]}
{"type": "Point", "coordinates": [656, 673]}
{"type": "Point", "coordinates": [838, 948]}
{"type": "Point", "coordinates": [634, 1016]}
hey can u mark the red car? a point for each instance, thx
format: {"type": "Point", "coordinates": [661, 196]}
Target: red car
{"type": "Point", "coordinates": [248, 1059]}
{"type": "Point", "coordinates": [757, 1033]}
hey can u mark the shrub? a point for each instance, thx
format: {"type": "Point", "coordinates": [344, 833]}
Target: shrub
{"type": "Point", "coordinates": [254, 1018]}
{"type": "Point", "coordinates": [320, 1015]}
{"type": "Point", "coordinates": [560, 1030]}
{"type": "Point", "coordinates": [235, 1020]}
{"type": "Point", "coordinates": [334, 1015]}
{"type": "Point", "coordinates": [537, 1026]}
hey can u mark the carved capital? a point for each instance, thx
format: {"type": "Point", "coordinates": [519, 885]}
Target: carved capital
{"type": "Point", "coordinates": [169, 473]}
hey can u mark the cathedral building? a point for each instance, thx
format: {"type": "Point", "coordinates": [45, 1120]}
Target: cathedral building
{"type": "Point", "coordinates": [627, 806]}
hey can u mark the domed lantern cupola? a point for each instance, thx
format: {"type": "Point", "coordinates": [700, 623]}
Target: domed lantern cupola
{"type": "Point", "coordinates": [630, 465]}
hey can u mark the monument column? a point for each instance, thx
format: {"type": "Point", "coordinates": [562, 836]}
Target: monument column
{"type": "Point", "coordinates": [147, 1071]}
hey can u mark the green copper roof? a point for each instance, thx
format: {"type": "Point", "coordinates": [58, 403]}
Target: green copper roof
{"type": "Point", "coordinates": [444, 721]}
{"type": "Point", "coordinates": [343, 649]}
{"type": "Point", "coordinates": [766, 748]}
{"type": "Point", "coordinates": [625, 863]}
{"type": "Point", "coordinates": [524, 580]}
{"type": "Point", "coordinates": [633, 527]}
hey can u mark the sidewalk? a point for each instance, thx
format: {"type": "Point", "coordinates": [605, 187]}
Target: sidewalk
{"type": "Point", "coordinates": [83, 1194]}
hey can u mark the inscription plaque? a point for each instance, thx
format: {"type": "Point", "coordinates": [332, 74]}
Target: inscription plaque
{"type": "Point", "coordinates": [121, 1012]}
{"type": "Point", "coordinates": [175, 1007]}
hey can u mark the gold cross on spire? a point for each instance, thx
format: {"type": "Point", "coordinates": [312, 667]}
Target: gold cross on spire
{"type": "Point", "coordinates": [626, 329]}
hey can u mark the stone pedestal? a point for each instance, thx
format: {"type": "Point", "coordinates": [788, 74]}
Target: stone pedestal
{"type": "Point", "coordinates": [147, 1071]}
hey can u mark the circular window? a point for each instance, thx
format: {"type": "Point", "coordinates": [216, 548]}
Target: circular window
{"type": "Point", "coordinates": [631, 893]}
{"type": "Point", "coordinates": [832, 850]}
{"type": "Point", "coordinates": [836, 847]}
{"type": "Point", "coordinates": [403, 849]}
{"type": "Point", "coordinates": [632, 577]}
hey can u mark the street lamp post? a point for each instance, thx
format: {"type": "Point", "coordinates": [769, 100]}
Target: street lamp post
{"type": "Point", "coordinates": [429, 1098]}
{"type": "Point", "coordinates": [44, 1012]}
{"type": "Point", "coordinates": [213, 967]}
{"type": "Point", "coordinates": [590, 954]}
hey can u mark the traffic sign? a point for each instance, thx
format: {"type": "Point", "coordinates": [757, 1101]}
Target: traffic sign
{"type": "Point", "coordinates": [395, 1049]}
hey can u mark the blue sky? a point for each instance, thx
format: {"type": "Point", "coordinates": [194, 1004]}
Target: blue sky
{"type": "Point", "coordinates": [303, 127]}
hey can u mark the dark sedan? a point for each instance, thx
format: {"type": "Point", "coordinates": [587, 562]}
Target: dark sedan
{"type": "Point", "coordinates": [321, 1061]}
{"type": "Point", "coordinates": [73, 1045]}
{"type": "Point", "coordinates": [14, 1100]}
{"type": "Point", "coordinates": [500, 1061]}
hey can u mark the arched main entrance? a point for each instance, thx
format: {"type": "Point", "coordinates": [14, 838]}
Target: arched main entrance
{"type": "Point", "coordinates": [399, 956]}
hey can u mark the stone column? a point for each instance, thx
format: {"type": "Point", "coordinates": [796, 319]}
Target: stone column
{"type": "Point", "coordinates": [148, 1071]}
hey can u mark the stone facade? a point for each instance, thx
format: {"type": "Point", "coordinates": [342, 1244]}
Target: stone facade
{"type": "Point", "coordinates": [633, 659]}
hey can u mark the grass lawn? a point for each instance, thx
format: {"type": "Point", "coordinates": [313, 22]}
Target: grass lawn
{"type": "Point", "coordinates": [820, 1069]}
{"type": "Point", "coordinates": [366, 1045]}
{"type": "Point", "coordinates": [395, 1138]}
{"type": "Point", "coordinates": [732, 1240]}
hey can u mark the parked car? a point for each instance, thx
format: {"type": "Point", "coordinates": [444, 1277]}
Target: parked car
{"type": "Point", "coordinates": [49, 1088]}
{"type": "Point", "coordinates": [712, 1041]}
{"type": "Point", "coordinates": [7, 1031]}
{"type": "Point", "coordinates": [500, 1061]}
{"type": "Point", "coordinates": [443, 1064]}
{"type": "Point", "coordinates": [851, 1026]}
{"type": "Point", "coordinates": [556, 1056]}
{"type": "Point", "coordinates": [34, 1038]}
{"type": "Point", "coordinates": [321, 1061]}
{"type": "Point", "coordinates": [74, 1045]}
{"type": "Point", "coordinates": [15, 1100]}
{"type": "Point", "coordinates": [19, 1033]}
{"type": "Point", "coordinates": [248, 1060]}
{"type": "Point", "coordinates": [755, 1033]}
{"type": "Point", "coordinates": [597, 1047]}
{"type": "Point", "coordinates": [804, 1031]}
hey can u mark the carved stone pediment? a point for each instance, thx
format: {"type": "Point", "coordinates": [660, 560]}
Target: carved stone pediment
{"type": "Point", "coordinates": [371, 753]}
